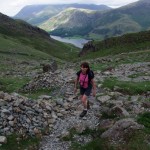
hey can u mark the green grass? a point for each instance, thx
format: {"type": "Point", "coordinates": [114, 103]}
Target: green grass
{"type": "Point", "coordinates": [31, 143]}
{"type": "Point", "coordinates": [5, 67]}
{"type": "Point", "coordinates": [138, 75]}
{"type": "Point", "coordinates": [69, 137]}
{"type": "Point", "coordinates": [35, 48]}
{"type": "Point", "coordinates": [12, 84]}
{"type": "Point", "coordinates": [37, 93]}
{"type": "Point", "coordinates": [133, 42]}
{"type": "Point", "coordinates": [108, 116]}
{"type": "Point", "coordinates": [117, 60]}
{"type": "Point", "coordinates": [147, 99]}
{"type": "Point", "coordinates": [54, 48]}
{"type": "Point", "coordinates": [136, 141]}
{"type": "Point", "coordinates": [96, 144]}
{"type": "Point", "coordinates": [144, 119]}
{"type": "Point", "coordinates": [13, 48]}
{"type": "Point", "coordinates": [112, 52]}
{"type": "Point", "coordinates": [127, 87]}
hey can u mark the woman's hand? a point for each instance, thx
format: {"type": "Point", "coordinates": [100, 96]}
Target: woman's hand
{"type": "Point", "coordinates": [94, 87]}
{"type": "Point", "coordinates": [94, 93]}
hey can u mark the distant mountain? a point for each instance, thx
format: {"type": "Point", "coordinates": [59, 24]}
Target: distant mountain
{"type": "Point", "coordinates": [93, 24]}
{"type": "Point", "coordinates": [130, 18]}
{"type": "Point", "coordinates": [70, 19]}
{"type": "Point", "coordinates": [36, 14]}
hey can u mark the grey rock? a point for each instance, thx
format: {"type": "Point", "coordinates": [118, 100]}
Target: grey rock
{"type": "Point", "coordinates": [106, 124]}
{"type": "Point", "coordinates": [59, 101]}
{"type": "Point", "coordinates": [11, 123]}
{"type": "Point", "coordinates": [44, 97]}
{"type": "Point", "coordinates": [10, 118]}
{"type": "Point", "coordinates": [2, 103]}
{"type": "Point", "coordinates": [3, 140]}
{"type": "Point", "coordinates": [6, 111]}
{"type": "Point", "coordinates": [134, 98]}
{"type": "Point", "coordinates": [54, 115]}
{"type": "Point", "coordinates": [6, 129]}
{"type": "Point", "coordinates": [121, 130]}
{"type": "Point", "coordinates": [103, 99]}
{"type": "Point", "coordinates": [120, 111]}
{"type": "Point", "coordinates": [2, 95]}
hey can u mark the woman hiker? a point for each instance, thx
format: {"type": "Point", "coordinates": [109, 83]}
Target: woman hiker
{"type": "Point", "coordinates": [85, 77]}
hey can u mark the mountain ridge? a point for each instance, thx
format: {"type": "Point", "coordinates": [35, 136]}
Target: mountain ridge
{"type": "Point", "coordinates": [70, 17]}
{"type": "Point", "coordinates": [35, 14]}
{"type": "Point", "coordinates": [133, 17]}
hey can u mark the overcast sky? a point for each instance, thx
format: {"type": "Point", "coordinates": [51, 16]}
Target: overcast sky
{"type": "Point", "coordinates": [12, 7]}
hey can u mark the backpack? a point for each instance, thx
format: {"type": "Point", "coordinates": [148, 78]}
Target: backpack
{"type": "Point", "coordinates": [90, 75]}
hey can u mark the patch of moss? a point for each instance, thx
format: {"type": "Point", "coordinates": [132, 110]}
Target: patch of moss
{"type": "Point", "coordinates": [15, 143]}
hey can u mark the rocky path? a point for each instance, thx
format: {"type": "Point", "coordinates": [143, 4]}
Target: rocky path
{"type": "Point", "coordinates": [72, 120]}
{"type": "Point", "coordinates": [107, 102]}
{"type": "Point", "coordinates": [60, 111]}
{"type": "Point", "coordinates": [61, 128]}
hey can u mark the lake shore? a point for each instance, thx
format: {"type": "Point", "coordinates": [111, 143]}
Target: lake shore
{"type": "Point", "coordinates": [78, 42]}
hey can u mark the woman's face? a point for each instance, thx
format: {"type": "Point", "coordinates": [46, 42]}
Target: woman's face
{"type": "Point", "coordinates": [84, 69]}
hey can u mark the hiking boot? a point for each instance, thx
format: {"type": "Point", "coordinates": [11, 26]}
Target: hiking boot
{"type": "Point", "coordinates": [88, 105]}
{"type": "Point", "coordinates": [83, 113]}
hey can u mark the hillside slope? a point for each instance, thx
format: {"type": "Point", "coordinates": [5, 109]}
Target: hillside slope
{"type": "Point", "coordinates": [70, 19]}
{"type": "Point", "coordinates": [131, 42]}
{"type": "Point", "coordinates": [34, 37]}
{"type": "Point", "coordinates": [130, 18]}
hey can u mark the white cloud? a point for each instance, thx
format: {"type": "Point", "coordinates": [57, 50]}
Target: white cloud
{"type": "Point", "coordinates": [10, 7]}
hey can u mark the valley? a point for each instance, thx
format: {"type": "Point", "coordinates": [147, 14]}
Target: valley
{"type": "Point", "coordinates": [38, 107]}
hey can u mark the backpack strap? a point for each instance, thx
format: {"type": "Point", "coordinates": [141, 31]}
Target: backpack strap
{"type": "Point", "coordinates": [90, 75]}
{"type": "Point", "coordinates": [78, 73]}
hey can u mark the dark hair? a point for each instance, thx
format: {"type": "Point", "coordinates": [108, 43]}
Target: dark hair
{"type": "Point", "coordinates": [85, 65]}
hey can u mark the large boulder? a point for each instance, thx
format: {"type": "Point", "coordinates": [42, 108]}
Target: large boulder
{"type": "Point", "coordinates": [88, 47]}
{"type": "Point", "coordinates": [50, 67]}
{"type": "Point", "coordinates": [122, 130]}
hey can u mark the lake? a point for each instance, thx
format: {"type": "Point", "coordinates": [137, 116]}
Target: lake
{"type": "Point", "coordinates": [77, 42]}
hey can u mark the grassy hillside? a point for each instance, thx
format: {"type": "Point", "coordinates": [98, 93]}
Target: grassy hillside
{"type": "Point", "coordinates": [13, 47]}
{"type": "Point", "coordinates": [118, 27]}
{"type": "Point", "coordinates": [127, 43]}
{"type": "Point", "coordinates": [138, 12]}
{"type": "Point", "coordinates": [35, 38]}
